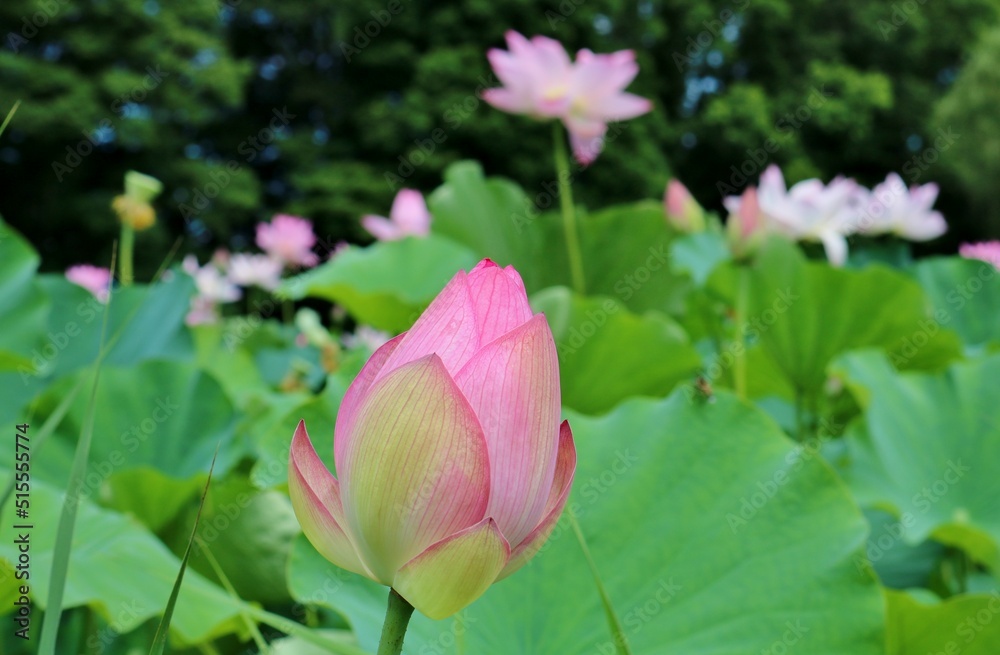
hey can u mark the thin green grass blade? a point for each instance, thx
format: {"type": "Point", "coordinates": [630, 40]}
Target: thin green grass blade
{"type": "Point", "coordinates": [162, 630]}
{"type": "Point", "coordinates": [10, 115]}
{"type": "Point", "coordinates": [291, 628]}
{"type": "Point", "coordinates": [614, 623]}
{"type": "Point", "coordinates": [258, 638]}
{"type": "Point", "coordinates": [67, 518]}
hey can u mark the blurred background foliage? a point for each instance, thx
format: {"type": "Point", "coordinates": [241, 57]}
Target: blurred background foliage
{"type": "Point", "coordinates": [366, 97]}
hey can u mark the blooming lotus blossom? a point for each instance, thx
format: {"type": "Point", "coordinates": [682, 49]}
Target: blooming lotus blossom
{"type": "Point", "coordinates": [809, 211]}
{"type": "Point", "coordinates": [408, 217]}
{"type": "Point", "coordinates": [683, 211]}
{"type": "Point", "coordinates": [94, 279]}
{"type": "Point", "coordinates": [452, 464]}
{"type": "Point", "coordinates": [891, 208]}
{"type": "Point", "coordinates": [213, 287]}
{"type": "Point", "coordinates": [288, 239]}
{"type": "Point", "coordinates": [539, 80]}
{"type": "Point", "coordinates": [255, 271]}
{"type": "Point", "coordinates": [535, 75]}
{"type": "Point", "coordinates": [987, 251]}
{"type": "Point", "coordinates": [598, 97]}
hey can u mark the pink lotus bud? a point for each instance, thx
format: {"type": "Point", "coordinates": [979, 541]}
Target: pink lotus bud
{"type": "Point", "coordinates": [452, 464]}
{"type": "Point", "coordinates": [408, 217]}
{"type": "Point", "coordinates": [683, 211]}
{"type": "Point", "coordinates": [94, 279]}
{"type": "Point", "coordinates": [288, 239]}
{"type": "Point", "coordinates": [745, 224]}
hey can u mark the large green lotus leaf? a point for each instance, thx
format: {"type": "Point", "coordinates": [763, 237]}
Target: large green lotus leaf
{"type": "Point", "coordinates": [145, 322]}
{"type": "Point", "coordinates": [966, 297]}
{"type": "Point", "coordinates": [489, 216]}
{"type": "Point", "coordinates": [274, 439]}
{"type": "Point", "coordinates": [928, 449]}
{"type": "Point", "coordinates": [248, 532]}
{"type": "Point", "coordinates": [625, 248]}
{"type": "Point", "coordinates": [899, 565]}
{"type": "Point", "coordinates": [599, 339]}
{"type": "Point", "coordinates": [699, 254]}
{"type": "Point", "coordinates": [118, 569]}
{"type": "Point", "coordinates": [23, 305]}
{"type": "Point", "coordinates": [806, 314]}
{"type": "Point", "coordinates": [712, 532]}
{"type": "Point", "coordinates": [156, 428]}
{"type": "Point", "coordinates": [962, 625]}
{"type": "Point", "coordinates": [387, 284]}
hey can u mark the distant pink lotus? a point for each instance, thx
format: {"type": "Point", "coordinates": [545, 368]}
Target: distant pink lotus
{"type": "Point", "coordinates": [288, 239]}
{"type": "Point", "coordinates": [255, 271]}
{"type": "Point", "coordinates": [452, 464]}
{"type": "Point", "coordinates": [987, 251]}
{"type": "Point", "coordinates": [892, 208]}
{"type": "Point", "coordinates": [745, 225]}
{"type": "Point", "coordinates": [408, 217]}
{"type": "Point", "coordinates": [213, 288]}
{"type": "Point", "coordinates": [536, 77]}
{"type": "Point", "coordinates": [598, 98]}
{"type": "Point", "coordinates": [539, 80]}
{"type": "Point", "coordinates": [683, 211]}
{"type": "Point", "coordinates": [808, 211]}
{"type": "Point", "coordinates": [94, 279]}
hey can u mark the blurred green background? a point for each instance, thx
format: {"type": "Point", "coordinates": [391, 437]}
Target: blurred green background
{"type": "Point", "coordinates": [358, 93]}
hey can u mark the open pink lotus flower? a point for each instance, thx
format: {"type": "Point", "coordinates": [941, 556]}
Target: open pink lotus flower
{"type": "Point", "coordinates": [288, 239]}
{"type": "Point", "coordinates": [539, 80]}
{"type": "Point", "coordinates": [808, 211]}
{"type": "Point", "coordinates": [452, 465]}
{"type": "Point", "coordinates": [892, 208]}
{"type": "Point", "coordinates": [408, 217]}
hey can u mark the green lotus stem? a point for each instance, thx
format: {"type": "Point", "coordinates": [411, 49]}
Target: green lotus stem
{"type": "Point", "coordinates": [568, 211]}
{"type": "Point", "coordinates": [127, 248]}
{"type": "Point", "coordinates": [740, 360]}
{"type": "Point", "coordinates": [397, 617]}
